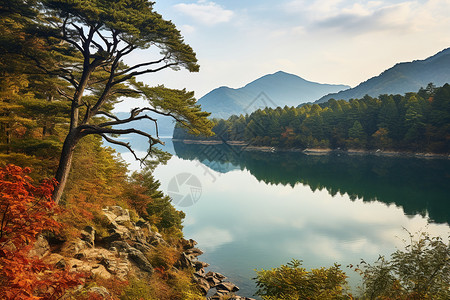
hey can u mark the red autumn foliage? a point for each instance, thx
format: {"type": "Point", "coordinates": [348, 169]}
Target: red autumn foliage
{"type": "Point", "coordinates": [25, 211]}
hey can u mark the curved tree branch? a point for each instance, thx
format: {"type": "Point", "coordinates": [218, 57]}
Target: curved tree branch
{"type": "Point", "coordinates": [123, 144]}
{"type": "Point", "coordinates": [143, 65]}
{"type": "Point", "coordinates": [64, 94]}
{"type": "Point", "coordinates": [95, 129]}
{"type": "Point", "coordinates": [66, 38]}
{"type": "Point", "coordinates": [136, 73]}
{"type": "Point", "coordinates": [109, 115]}
{"type": "Point", "coordinates": [167, 114]}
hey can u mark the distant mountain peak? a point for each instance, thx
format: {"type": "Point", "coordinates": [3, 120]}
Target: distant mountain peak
{"type": "Point", "coordinates": [281, 88]}
{"type": "Point", "coordinates": [401, 78]}
{"type": "Point", "coordinates": [283, 73]}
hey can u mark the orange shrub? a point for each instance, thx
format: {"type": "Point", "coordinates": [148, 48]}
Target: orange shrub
{"type": "Point", "coordinates": [25, 211]}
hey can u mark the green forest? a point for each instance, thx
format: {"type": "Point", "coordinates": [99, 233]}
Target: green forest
{"type": "Point", "coordinates": [415, 122]}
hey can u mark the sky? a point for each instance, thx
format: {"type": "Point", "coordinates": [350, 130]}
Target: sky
{"type": "Point", "coordinates": [326, 41]}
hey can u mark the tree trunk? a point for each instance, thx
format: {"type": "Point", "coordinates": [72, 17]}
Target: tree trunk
{"type": "Point", "coordinates": [65, 163]}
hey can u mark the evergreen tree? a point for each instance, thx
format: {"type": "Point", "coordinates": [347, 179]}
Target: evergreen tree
{"type": "Point", "coordinates": [31, 111]}
{"type": "Point", "coordinates": [357, 136]}
{"type": "Point", "coordinates": [100, 35]}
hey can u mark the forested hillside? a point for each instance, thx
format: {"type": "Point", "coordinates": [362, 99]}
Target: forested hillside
{"type": "Point", "coordinates": [401, 78]}
{"type": "Point", "coordinates": [61, 72]}
{"type": "Point", "coordinates": [416, 122]}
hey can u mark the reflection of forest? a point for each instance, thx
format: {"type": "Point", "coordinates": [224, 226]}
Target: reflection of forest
{"type": "Point", "coordinates": [417, 185]}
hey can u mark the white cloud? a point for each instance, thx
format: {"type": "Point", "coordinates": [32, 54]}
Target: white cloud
{"type": "Point", "coordinates": [205, 12]}
{"type": "Point", "coordinates": [187, 29]}
{"type": "Point", "coordinates": [313, 9]}
{"type": "Point", "coordinates": [368, 16]}
{"type": "Point", "coordinates": [360, 19]}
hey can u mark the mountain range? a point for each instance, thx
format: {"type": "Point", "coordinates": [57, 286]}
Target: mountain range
{"type": "Point", "coordinates": [401, 78]}
{"type": "Point", "coordinates": [278, 89]}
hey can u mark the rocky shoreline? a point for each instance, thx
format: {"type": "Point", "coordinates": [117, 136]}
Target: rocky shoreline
{"type": "Point", "coordinates": [319, 151]}
{"type": "Point", "coordinates": [123, 253]}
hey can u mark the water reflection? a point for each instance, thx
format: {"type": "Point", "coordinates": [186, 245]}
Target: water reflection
{"type": "Point", "coordinates": [419, 186]}
{"type": "Point", "coordinates": [260, 210]}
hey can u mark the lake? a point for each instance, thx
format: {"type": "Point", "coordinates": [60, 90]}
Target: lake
{"type": "Point", "coordinates": [250, 210]}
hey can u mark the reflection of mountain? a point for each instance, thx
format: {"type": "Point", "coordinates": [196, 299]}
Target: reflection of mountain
{"type": "Point", "coordinates": [220, 158]}
{"type": "Point", "coordinates": [221, 167]}
{"type": "Point", "coordinates": [418, 185]}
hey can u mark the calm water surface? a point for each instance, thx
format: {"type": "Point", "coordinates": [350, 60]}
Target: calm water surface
{"type": "Point", "coordinates": [259, 210]}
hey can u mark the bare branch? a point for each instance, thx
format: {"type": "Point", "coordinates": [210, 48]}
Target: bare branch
{"type": "Point", "coordinates": [115, 42]}
{"type": "Point", "coordinates": [95, 129]}
{"type": "Point", "coordinates": [136, 73]}
{"type": "Point", "coordinates": [66, 37]}
{"type": "Point", "coordinates": [108, 115]}
{"type": "Point", "coordinates": [123, 144]}
{"type": "Point", "coordinates": [124, 121]}
{"type": "Point", "coordinates": [70, 78]}
{"type": "Point", "coordinates": [87, 42]}
{"type": "Point", "coordinates": [136, 111]}
{"type": "Point", "coordinates": [74, 44]}
{"type": "Point", "coordinates": [134, 116]}
{"type": "Point", "coordinates": [98, 45]}
{"type": "Point", "coordinates": [104, 95]}
{"type": "Point", "coordinates": [80, 31]}
{"type": "Point", "coordinates": [126, 50]}
{"type": "Point", "coordinates": [64, 94]}
{"type": "Point", "coordinates": [143, 65]}
{"type": "Point", "coordinates": [131, 119]}
{"type": "Point", "coordinates": [105, 40]}
{"type": "Point", "coordinates": [108, 86]}
{"type": "Point", "coordinates": [168, 114]}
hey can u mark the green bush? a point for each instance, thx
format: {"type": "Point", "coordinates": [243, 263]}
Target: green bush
{"type": "Point", "coordinates": [420, 271]}
{"type": "Point", "coordinates": [292, 282]}
{"type": "Point", "coordinates": [137, 290]}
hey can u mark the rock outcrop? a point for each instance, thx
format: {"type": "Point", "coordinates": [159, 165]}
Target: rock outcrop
{"type": "Point", "coordinates": [123, 250]}
{"type": "Point", "coordinates": [210, 280]}
{"type": "Point", "coordinates": [115, 255]}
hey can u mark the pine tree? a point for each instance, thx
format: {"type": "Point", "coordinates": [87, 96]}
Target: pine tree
{"type": "Point", "coordinates": [89, 42]}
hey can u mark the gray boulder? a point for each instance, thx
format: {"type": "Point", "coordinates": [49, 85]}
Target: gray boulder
{"type": "Point", "coordinates": [140, 260]}
{"type": "Point", "coordinates": [227, 286]}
